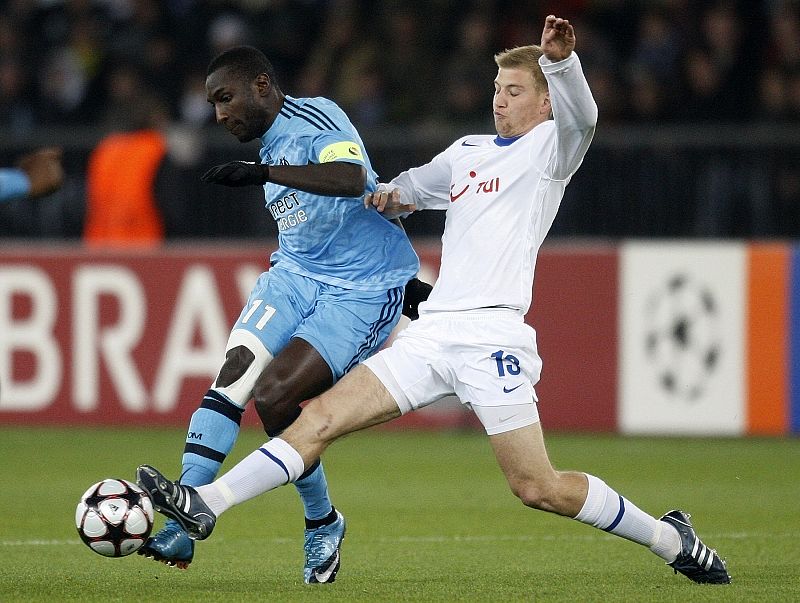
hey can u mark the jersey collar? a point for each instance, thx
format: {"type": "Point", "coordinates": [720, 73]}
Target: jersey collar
{"type": "Point", "coordinates": [278, 126]}
{"type": "Point", "coordinates": [504, 142]}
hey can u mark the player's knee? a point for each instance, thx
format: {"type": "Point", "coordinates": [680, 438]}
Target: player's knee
{"type": "Point", "coordinates": [533, 494]}
{"type": "Point", "coordinates": [275, 403]}
{"type": "Point", "coordinates": [245, 360]}
{"type": "Point", "coordinates": [275, 422]}
{"type": "Point", "coordinates": [237, 361]}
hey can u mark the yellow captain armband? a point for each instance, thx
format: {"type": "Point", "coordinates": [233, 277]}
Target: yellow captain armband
{"type": "Point", "coordinates": [341, 150]}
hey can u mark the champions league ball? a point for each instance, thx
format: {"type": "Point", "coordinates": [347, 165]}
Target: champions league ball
{"type": "Point", "coordinates": [114, 517]}
{"type": "Point", "coordinates": [682, 341]}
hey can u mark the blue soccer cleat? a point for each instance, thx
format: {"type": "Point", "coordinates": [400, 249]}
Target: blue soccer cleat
{"type": "Point", "coordinates": [695, 561]}
{"type": "Point", "coordinates": [171, 545]}
{"type": "Point", "coordinates": [321, 547]}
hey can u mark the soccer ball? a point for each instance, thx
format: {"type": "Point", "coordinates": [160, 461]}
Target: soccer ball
{"type": "Point", "coordinates": [114, 517]}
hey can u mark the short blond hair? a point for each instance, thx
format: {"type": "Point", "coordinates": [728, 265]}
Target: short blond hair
{"type": "Point", "coordinates": [524, 57]}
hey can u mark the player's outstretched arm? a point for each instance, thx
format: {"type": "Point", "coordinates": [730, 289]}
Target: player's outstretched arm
{"type": "Point", "coordinates": [573, 107]}
{"type": "Point", "coordinates": [558, 38]}
{"type": "Point", "coordinates": [335, 178]}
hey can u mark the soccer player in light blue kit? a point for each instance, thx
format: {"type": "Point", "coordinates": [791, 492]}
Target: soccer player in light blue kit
{"type": "Point", "coordinates": [333, 293]}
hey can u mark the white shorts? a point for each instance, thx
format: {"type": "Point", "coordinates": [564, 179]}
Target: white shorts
{"type": "Point", "coordinates": [487, 358]}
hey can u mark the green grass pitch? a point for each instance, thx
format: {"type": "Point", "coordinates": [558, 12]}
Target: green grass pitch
{"type": "Point", "coordinates": [429, 519]}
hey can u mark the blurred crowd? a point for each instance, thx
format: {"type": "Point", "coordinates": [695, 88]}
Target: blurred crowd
{"type": "Point", "coordinates": [114, 80]}
{"type": "Point", "coordinates": [395, 61]}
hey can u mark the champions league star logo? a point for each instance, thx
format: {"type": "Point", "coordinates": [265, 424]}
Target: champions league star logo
{"type": "Point", "coordinates": [682, 341]}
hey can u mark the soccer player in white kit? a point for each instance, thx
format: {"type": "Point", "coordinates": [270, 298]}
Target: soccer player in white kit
{"type": "Point", "coordinates": [501, 194]}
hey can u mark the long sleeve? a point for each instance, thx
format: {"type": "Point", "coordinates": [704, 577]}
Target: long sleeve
{"type": "Point", "coordinates": [574, 113]}
{"type": "Point", "coordinates": [427, 186]}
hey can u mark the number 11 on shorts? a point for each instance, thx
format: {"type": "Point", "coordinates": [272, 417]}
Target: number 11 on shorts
{"type": "Point", "coordinates": [269, 312]}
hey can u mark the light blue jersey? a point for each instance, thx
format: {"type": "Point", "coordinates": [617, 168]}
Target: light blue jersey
{"type": "Point", "coordinates": [335, 240]}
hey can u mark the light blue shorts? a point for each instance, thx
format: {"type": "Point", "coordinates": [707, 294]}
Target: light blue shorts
{"type": "Point", "coordinates": [345, 326]}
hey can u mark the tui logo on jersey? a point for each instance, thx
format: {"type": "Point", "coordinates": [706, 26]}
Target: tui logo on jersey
{"type": "Point", "coordinates": [486, 186]}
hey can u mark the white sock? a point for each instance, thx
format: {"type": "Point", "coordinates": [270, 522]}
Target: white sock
{"type": "Point", "coordinates": [608, 511]}
{"type": "Point", "coordinates": [274, 464]}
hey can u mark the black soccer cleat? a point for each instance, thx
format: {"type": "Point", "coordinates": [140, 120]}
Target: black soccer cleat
{"type": "Point", "coordinates": [178, 502]}
{"type": "Point", "coordinates": [695, 561]}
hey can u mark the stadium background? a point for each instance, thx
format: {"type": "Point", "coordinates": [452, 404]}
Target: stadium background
{"type": "Point", "coordinates": [670, 280]}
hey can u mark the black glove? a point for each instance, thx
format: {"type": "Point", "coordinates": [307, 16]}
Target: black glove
{"type": "Point", "coordinates": [416, 292]}
{"type": "Point", "coordinates": [237, 173]}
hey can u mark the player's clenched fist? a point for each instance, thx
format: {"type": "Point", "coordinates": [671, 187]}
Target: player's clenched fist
{"type": "Point", "coordinates": [558, 38]}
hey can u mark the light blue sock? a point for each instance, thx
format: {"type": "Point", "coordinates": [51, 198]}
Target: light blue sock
{"type": "Point", "coordinates": [313, 489]}
{"type": "Point", "coordinates": [213, 430]}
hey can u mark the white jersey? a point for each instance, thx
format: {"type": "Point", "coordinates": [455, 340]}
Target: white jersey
{"type": "Point", "coordinates": [501, 196]}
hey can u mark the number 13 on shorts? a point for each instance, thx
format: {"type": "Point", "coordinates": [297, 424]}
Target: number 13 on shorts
{"type": "Point", "coordinates": [506, 363]}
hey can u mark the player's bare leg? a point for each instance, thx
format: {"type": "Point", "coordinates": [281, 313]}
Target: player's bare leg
{"type": "Point", "coordinates": [523, 459]}
{"type": "Point", "coordinates": [360, 401]}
